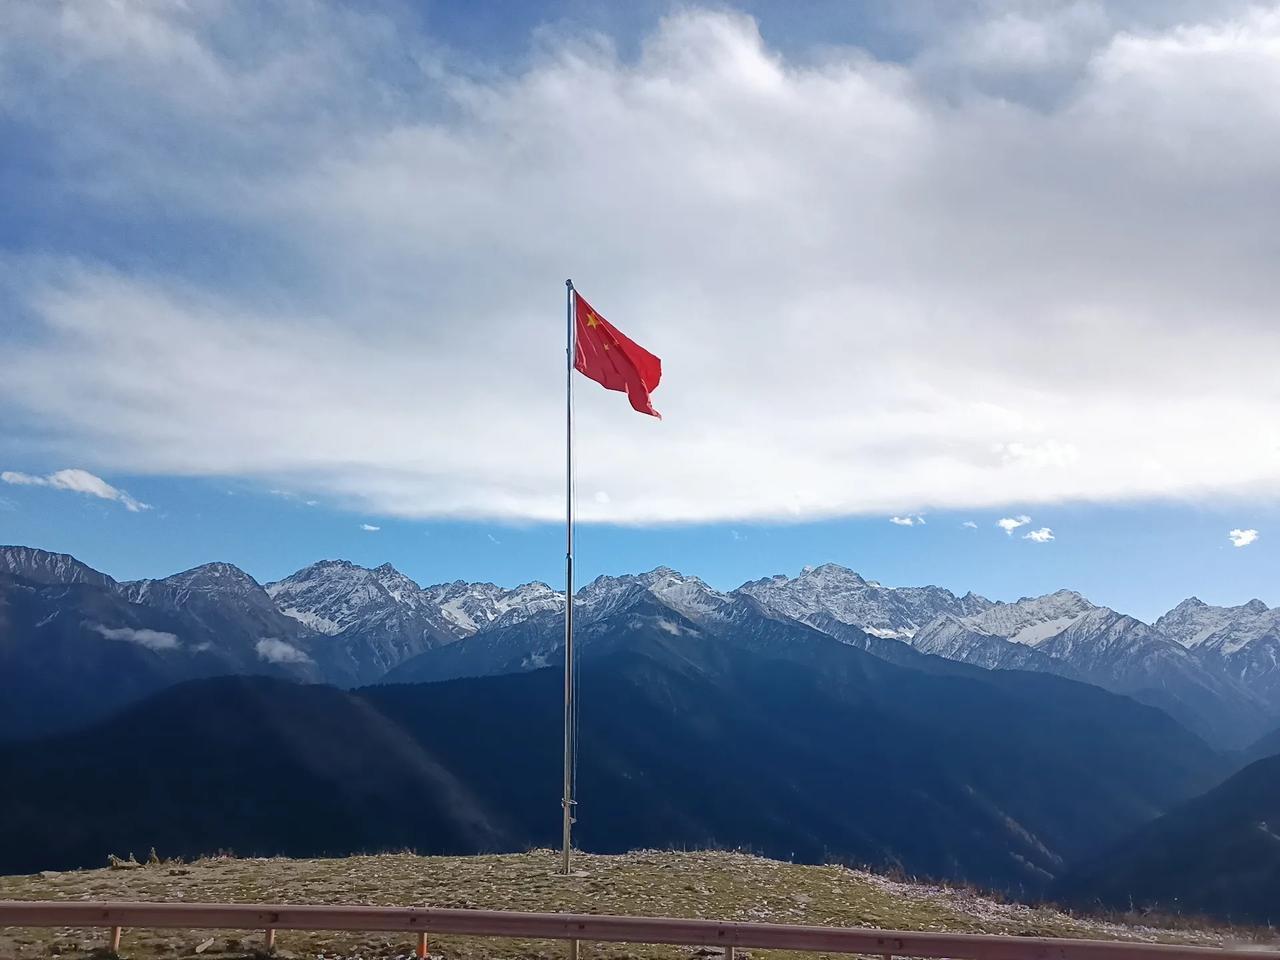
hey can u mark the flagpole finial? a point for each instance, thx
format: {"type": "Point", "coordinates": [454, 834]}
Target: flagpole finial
{"type": "Point", "coordinates": [569, 284]}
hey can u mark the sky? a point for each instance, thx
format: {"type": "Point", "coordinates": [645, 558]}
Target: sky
{"type": "Point", "coordinates": [283, 281]}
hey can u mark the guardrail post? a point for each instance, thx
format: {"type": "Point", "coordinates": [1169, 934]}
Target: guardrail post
{"type": "Point", "coordinates": [730, 952]}
{"type": "Point", "coordinates": [115, 939]}
{"type": "Point", "coordinates": [422, 945]}
{"type": "Point", "coordinates": [573, 950]}
{"type": "Point", "coordinates": [271, 939]}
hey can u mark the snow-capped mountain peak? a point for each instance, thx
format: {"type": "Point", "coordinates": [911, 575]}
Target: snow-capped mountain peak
{"type": "Point", "coordinates": [687, 595]}
{"type": "Point", "coordinates": [1032, 620]}
{"type": "Point", "coordinates": [43, 566]}
{"type": "Point", "coordinates": [400, 587]}
{"type": "Point", "coordinates": [330, 595]}
{"type": "Point", "coordinates": [472, 607]}
{"type": "Point", "coordinates": [1222, 630]}
{"type": "Point", "coordinates": [830, 590]}
{"type": "Point", "coordinates": [214, 577]}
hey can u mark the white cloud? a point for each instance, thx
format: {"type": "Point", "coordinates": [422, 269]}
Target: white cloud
{"type": "Point", "coordinates": [274, 650]}
{"type": "Point", "coordinates": [151, 639]}
{"type": "Point", "coordinates": [1010, 524]}
{"type": "Point", "coordinates": [911, 520]}
{"type": "Point", "coordinates": [76, 481]}
{"type": "Point", "coordinates": [1242, 538]}
{"type": "Point", "coordinates": [1043, 535]}
{"type": "Point", "coordinates": [894, 215]}
{"type": "Point", "coordinates": [369, 528]}
{"type": "Point", "coordinates": [969, 525]}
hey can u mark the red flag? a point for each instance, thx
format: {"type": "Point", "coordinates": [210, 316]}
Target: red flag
{"type": "Point", "coordinates": [613, 360]}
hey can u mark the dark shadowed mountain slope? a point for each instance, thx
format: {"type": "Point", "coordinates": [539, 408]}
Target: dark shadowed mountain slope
{"type": "Point", "coordinates": [73, 653]}
{"type": "Point", "coordinates": [1101, 727]}
{"type": "Point", "coordinates": [248, 764]}
{"type": "Point", "coordinates": [686, 740]}
{"type": "Point", "coordinates": [1218, 854]}
{"type": "Point", "coordinates": [1267, 745]}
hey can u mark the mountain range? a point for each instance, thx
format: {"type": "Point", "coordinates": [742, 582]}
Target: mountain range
{"type": "Point", "coordinates": [772, 736]}
{"type": "Point", "coordinates": [62, 624]}
{"type": "Point", "coordinates": [1043, 746]}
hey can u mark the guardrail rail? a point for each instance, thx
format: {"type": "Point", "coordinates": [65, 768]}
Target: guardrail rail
{"type": "Point", "coordinates": [730, 935]}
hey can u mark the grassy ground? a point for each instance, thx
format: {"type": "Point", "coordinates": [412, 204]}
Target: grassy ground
{"type": "Point", "coordinates": [709, 885]}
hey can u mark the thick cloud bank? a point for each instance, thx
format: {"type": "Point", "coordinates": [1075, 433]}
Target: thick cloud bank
{"type": "Point", "coordinates": [1033, 262]}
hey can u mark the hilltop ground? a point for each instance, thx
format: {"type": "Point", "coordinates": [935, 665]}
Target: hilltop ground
{"type": "Point", "coordinates": [711, 885]}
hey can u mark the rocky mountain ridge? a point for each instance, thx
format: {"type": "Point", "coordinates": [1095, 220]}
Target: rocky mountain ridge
{"type": "Point", "coordinates": [1216, 669]}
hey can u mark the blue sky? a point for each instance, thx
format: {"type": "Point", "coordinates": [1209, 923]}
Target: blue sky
{"type": "Point", "coordinates": [1141, 559]}
{"type": "Point", "coordinates": [270, 273]}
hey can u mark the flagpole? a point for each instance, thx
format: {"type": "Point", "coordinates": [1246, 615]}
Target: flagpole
{"type": "Point", "coordinates": [567, 801]}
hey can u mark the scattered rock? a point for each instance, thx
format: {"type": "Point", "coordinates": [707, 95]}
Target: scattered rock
{"type": "Point", "coordinates": [204, 945]}
{"type": "Point", "coordinates": [117, 864]}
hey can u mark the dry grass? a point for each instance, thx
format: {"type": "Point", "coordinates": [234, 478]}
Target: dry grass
{"type": "Point", "coordinates": [712, 885]}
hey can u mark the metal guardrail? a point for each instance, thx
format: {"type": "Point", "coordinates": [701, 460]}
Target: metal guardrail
{"type": "Point", "coordinates": [730, 935]}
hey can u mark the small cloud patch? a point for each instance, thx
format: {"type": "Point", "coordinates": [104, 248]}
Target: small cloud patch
{"type": "Point", "coordinates": [1242, 538]}
{"type": "Point", "coordinates": [76, 481]}
{"type": "Point", "coordinates": [910, 520]}
{"type": "Point", "coordinates": [1043, 535]}
{"type": "Point", "coordinates": [1010, 524]}
{"type": "Point", "coordinates": [277, 651]}
{"type": "Point", "coordinates": [151, 639]}
{"type": "Point", "coordinates": [969, 525]}
{"type": "Point", "coordinates": [369, 528]}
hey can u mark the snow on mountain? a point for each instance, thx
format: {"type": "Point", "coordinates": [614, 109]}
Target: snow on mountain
{"type": "Point", "coordinates": [1226, 630]}
{"type": "Point", "coordinates": [1064, 633]}
{"type": "Point", "coordinates": [838, 592]}
{"type": "Point", "coordinates": [1242, 642]}
{"type": "Point", "coordinates": [331, 595]}
{"type": "Point", "coordinates": [239, 621]}
{"type": "Point", "coordinates": [1215, 668]}
{"type": "Point", "coordinates": [962, 639]}
{"type": "Point", "coordinates": [471, 607]}
{"type": "Point", "coordinates": [1032, 620]}
{"type": "Point", "coordinates": [379, 617]}
{"type": "Point", "coordinates": [41, 566]}
{"type": "Point", "coordinates": [211, 580]}
{"type": "Point", "coordinates": [686, 595]}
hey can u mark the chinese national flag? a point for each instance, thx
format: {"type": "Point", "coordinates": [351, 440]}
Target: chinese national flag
{"type": "Point", "coordinates": [613, 360]}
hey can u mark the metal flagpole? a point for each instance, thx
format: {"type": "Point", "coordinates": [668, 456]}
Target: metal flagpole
{"type": "Point", "coordinates": [567, 802]}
